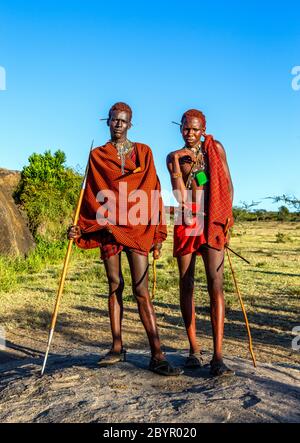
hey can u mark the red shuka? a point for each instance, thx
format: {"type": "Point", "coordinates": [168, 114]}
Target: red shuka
{"type": "Point", "coordinates": [218, 211]}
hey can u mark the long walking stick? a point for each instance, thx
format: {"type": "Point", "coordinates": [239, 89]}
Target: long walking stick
{"type": "Point", "coordinates": [241, 301]}
{"type": "Point", "coordinates": [65, 267]}
{"type": "Point", "coordinates": [154, 278]}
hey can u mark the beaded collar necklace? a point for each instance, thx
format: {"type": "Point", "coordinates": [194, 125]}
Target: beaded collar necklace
{"type": "Point", "coordinates": [198, 167]}
{"type": "Point", "coordinates": [123, 149]}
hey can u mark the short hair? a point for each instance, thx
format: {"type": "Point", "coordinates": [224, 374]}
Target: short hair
{"type": "Point", "coordinates": [120, 106]}
{"type": "Point", "coordinates": [196, 114]}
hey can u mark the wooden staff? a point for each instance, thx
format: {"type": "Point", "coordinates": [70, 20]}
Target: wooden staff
{"type": "Point", "coordinates": [154, 278]}
{"type": "Point", "coordinates": [65, 267]}
{"type": "Point", "coordinates": [241, 300]}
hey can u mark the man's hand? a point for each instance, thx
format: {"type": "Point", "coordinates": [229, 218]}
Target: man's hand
{"type": "Point", "coordinates": [185, 152]}
{"type": "Point", "coordinates": [157, 251]}
{"type": "Point", "coordinates": [74, 232]}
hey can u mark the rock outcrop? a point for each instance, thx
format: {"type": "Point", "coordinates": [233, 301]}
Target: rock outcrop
{"type": "Point", "coordinates": [75, 390]}
{"type": "Point", "coordinates": [15, 237]}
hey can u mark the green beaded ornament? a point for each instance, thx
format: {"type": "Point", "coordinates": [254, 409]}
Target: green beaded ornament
{"type": "Point", "coordinates": [201, 178]}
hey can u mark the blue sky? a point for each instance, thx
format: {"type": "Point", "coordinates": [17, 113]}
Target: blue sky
{"type": "Point", "coordinates": [67, 61]}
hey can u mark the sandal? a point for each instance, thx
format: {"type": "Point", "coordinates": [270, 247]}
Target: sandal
{"type": "Point", "coordinates": [112, 357]}
{"type": "Point", "coordinates": [193, 362]}
{"type": "Point", "coordinates": [219, 368]}
{"type": "Point", "coordinates": [163, 367]}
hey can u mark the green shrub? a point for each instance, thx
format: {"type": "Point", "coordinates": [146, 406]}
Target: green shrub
{"type": "Point", "coordinates": [260, 264]}
{"type": "Point", "coordinates": [48, 192]}
{"type": "Point", "coordinates": [282, 238]}
{"type": "Point", "coordinates": [8, 276]}
{"type": "Point", "coordinates": [283, 213]}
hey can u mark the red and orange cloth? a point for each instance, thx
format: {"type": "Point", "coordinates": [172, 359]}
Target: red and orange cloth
{"type": "Point", "coordinates": [105, 174]}
{"type": "Point", "coordinates": [189, 231]}
{"type": "Point", "coordinates": [219, 209]}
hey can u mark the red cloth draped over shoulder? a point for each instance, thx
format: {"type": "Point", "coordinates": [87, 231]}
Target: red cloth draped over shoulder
{"type": "Point", "coordinates": [105, 174]}
{"type": "Point", "coordinates": [219, 203]}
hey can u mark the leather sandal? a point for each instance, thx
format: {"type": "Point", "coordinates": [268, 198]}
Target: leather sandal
{"type": "Point", "coordinates": [163, 367]}
{"type": "Point", "coordinates": [193, 361]}
{"type": "Point", "coordinates": [112, 358]}
{"type": "Point", "coordinates": [219, 368]}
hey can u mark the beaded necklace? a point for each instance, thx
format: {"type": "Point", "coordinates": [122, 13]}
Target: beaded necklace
{"type": "Point", "coordinates": [123, 149]}
{"type": "Point", "coordinates": [198, 169]}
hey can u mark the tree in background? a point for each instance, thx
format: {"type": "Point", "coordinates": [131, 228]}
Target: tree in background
{"type": "Point", "coordinates": [244, 212]}
{"type": "Point", "coordinates": [292, 201]}
{"type": "Point", "coordinates": [48, 191]}
{"type": "Point", "coordinates": [283, 213]}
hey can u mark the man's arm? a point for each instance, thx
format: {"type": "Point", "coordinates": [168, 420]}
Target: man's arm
{"type": "Point", "coordinates": [173, 165]}
{"type": "Point", "coordinates": [222, 153]}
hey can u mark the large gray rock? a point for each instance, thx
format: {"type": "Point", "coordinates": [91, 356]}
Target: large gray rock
{"type": "Point", "coordinates": [15, 237]}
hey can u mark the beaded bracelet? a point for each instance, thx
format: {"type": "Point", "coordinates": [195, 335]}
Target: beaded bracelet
{"type": "Point", "coordinates": [176, 175]}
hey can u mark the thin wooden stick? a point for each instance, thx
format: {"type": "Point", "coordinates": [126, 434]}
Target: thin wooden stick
{"type": "Point", "coordinates": [238, 255]}
{"type": "Point", "coordinates": [243, 309]}
{"type": "Point", "coordinates": [65, 268]}
{"type": "Point", "coordinates": [154, 278]}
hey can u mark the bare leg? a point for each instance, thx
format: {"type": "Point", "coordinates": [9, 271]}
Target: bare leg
{"type": "Point", "coordinates": [139, 273]}
{"type": "Point", "coordinates": [186, 265]}
{"type": "Point", "coordinates": [115, 302]}
{"type": "Point", "coordinates": [214, 267]}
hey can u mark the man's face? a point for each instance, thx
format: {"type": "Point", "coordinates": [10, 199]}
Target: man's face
{"type": "Point", "coordinates": [119, 124]}
{"type": "Point", "coordinates": [192, 130]}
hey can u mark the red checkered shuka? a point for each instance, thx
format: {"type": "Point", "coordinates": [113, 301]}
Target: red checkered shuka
{"type": "Point", "coordinates": [105, 174]}
{"type": "Point", "coordinates": [219, 203]}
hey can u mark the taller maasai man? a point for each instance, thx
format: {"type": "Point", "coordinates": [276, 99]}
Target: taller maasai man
{"type": "Point", "coordinates": [202, 185]}
{"type": "Point", "coordinates": [121, 171]}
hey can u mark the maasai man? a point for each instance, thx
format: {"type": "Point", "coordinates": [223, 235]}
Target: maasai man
{"type": "Point", "coordinates": [202, 185]}
{"type": "Point", "coordinates": [121, 171]}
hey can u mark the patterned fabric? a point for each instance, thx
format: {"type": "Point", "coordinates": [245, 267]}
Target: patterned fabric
{"type": "Point", "coordinates": [110, 247]}
{"type": "Point", "coordinates": [189, 237]}
{"type": "Point", "coordinates": [218, 210]}
{"type": "Point", "coordinates": [105, 174]}
{"type": "Point", "coordinates": [219, 203]}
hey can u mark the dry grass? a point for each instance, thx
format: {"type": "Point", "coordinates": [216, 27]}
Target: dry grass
{"type": "Point", "coordinates": [270, 287]}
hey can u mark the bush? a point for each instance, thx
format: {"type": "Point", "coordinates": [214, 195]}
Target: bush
{"type": "Point", "coordinates": [48, 192]}
{"type": "Point", "coordinates": [282, 238]}
{"type": "Point", "coordinates": [283, 213]}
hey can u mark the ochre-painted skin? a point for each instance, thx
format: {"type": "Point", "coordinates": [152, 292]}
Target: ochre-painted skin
{"type": "Point", "coordinates": [119, 123]}
{"type": "Point", "coordinates": [180, 161]}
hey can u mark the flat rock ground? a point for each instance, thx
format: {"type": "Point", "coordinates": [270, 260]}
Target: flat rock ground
{"type": "Point", "coordinates": [74, 389]}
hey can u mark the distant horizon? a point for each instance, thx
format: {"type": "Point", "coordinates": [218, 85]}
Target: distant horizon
{"type": "Point", "coordinates": [241, 205]}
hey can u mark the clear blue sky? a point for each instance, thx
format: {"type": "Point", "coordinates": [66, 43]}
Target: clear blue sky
{"type": "Point", "coordinates": [67, 61]}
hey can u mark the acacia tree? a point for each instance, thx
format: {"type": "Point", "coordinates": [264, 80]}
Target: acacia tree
{"type": "Point", "coordinates": [291, 201]}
